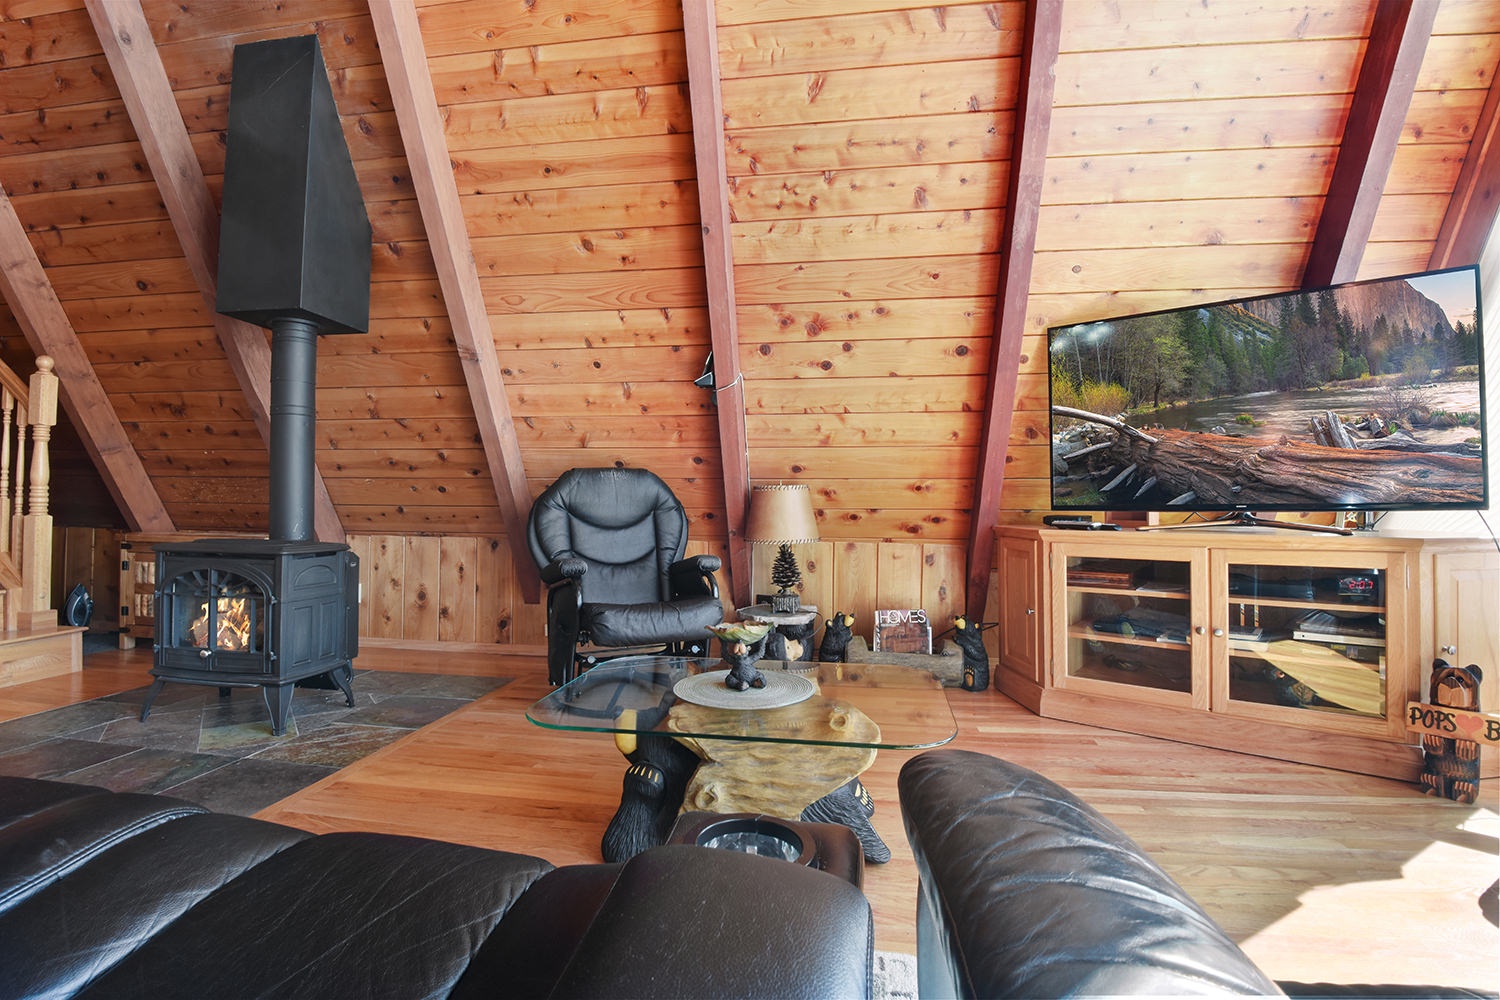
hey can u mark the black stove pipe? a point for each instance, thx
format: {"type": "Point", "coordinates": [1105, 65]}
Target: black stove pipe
{"type": "Point", "coordinates": [294, 374]}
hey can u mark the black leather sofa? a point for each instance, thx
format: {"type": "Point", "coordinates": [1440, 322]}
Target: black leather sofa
{"type": "Point", "coordinates": [1027, 891]}
{"type": "Point", "coordinates": [106, 894]}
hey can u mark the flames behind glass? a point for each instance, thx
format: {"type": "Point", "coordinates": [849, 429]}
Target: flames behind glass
{"type": "Point", "coordinates": [219, 610]}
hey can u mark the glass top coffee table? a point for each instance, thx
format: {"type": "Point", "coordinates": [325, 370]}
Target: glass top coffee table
{"type": "Point", "coordinates": [797, 761]}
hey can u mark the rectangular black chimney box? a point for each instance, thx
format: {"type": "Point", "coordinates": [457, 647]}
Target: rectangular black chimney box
{"type": "Point", "coordinates": [294, 240]}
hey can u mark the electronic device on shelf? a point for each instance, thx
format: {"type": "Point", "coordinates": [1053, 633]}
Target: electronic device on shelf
{"type": "Point", "coordinates": [1364, 396]}
{"type": "Point", "coordinates": [1078, 523]}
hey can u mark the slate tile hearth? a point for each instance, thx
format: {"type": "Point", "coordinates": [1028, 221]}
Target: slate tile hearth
{"type": "Point", "coordinates": [219, 752]}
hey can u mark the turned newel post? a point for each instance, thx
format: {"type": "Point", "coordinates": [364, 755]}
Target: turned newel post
{"type": "Point", "coordinates": [36, 545]}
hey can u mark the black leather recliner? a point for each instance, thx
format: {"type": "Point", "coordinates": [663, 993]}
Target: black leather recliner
{"type": "Point", "coordinates": [610, 544]}
{"type": "Point", "coordinates": [1027, 891]}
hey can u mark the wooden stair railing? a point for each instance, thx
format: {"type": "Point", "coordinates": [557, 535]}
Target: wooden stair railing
{"type": "Point", "coordinates": [25, 519]}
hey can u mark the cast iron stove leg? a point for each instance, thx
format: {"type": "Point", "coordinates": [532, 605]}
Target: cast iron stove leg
{"type": "Point", "coordinates": [341, 676]}
{"type": "Point", "coordinates": [156, 687]}
{"type": "Point", "coordinates": [278, 704]}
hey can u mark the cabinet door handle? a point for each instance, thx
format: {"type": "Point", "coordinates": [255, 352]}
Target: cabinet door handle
{"type": "Point", "coordinates": [1199, 630]}
{"type": "Point", "coordinates": [1218, 632]}
{"type": "Point", "coordinates": [1031, 611]}
{"type": "Point", "coordinates": [1450, 650]}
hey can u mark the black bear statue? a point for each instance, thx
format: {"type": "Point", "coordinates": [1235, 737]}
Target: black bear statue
{"type": "Point", "coordinates": [791, 642]}
{"type": "Point", "coordinates": [976, 659]}
{"type": "Point", "coordinates": [837, 631]}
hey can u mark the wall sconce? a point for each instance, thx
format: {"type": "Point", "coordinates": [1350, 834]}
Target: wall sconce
{"type": "Point", "coordinates": [782, 515]}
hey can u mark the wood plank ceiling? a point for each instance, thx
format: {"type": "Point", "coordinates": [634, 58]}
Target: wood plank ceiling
{"type": "Point", "coordinates": [573, 205]}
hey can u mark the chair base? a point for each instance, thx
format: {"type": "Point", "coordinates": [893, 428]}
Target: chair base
{"type": "Point", "coordinates": [590, 657]}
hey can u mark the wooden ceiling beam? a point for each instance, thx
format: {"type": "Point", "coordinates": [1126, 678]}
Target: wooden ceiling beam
{"type": "Point", "coordinates": [1476, 197]}
{"type": "Point", "coordinates": [1377, 113]}
{"type": "Point", "coordinates": [421, 124]}
{"type": "Point", "coordinates": [700, 36]}
{"type": "Point", "coordinates": [1039, 48]}
{"type": "Point", "coordinates": [142, 80]}
{"type": "Point", "coordinates": [41, 317]}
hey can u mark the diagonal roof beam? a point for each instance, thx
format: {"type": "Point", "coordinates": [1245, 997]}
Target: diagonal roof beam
{"type": "Point", "coordinates": [41, 317]}
{"type": "Point", "coordinates": [1382, 97]}
{"type": "Point", "coordinates": [142, 81]}
{"type": "Point", "coordinates": [421, 124]}
{"type": "Point", "coordinates": [1476, 196]}
{"type": "Point", "coordinates": [701, 37]}
{"type": "Point", "coordinates": [1039, 48]}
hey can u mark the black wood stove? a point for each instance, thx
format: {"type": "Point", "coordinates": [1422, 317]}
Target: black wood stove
{"type": "Point", "coordinates": [247, 613]}
{"type": "Point", "coordinates": [294, 256]}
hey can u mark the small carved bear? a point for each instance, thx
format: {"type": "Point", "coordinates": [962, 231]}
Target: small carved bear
{"type": "Point", "coordinates": [742, 657]}
{"type": "Point", "coordinates": [976, 658]}
{"type": "Point", "coordinates": [791, 642]}
{"type": "Point", "coordinates": [1450, 767]}
{"type": "Point", "coordinates": [837, 631]}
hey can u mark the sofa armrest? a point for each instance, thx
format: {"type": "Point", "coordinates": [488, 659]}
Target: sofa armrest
{"type": "Point", "coordinates": [688, 921]}
{"type": "Point", "coordinates": [1028, 891]}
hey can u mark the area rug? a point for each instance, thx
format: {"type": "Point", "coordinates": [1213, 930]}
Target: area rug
{"type": "Point", "coordinates": [895, 976]}
{"type": "Point", "coordinates": [219, 752]}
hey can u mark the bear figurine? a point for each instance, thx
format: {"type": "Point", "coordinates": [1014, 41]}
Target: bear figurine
{"type": "Point", "coordinates": [1450, 767]}
{"type": "Point", "coordinates": [966, 635]}
{"type": "Point", "coordinates": [837, 632]}
{"type": "Point", "coordinates": [791, 642]}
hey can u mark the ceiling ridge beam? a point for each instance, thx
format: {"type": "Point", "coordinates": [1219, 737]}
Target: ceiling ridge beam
{"type": "Point", "coordinates": [1040, 43]}
{"type": "Point", "coordinates": [42, 318]}
{"type": "Point", "coordinates": [149, 101]}
{"type": "Point", "coordinates": [705, 96]}
{"type": "Point", "coordinates": [420, 122]}
{"type": "Point", "coordinates": [1377, 113]}
{"type": "Point", "coordinates": [1476, 197]}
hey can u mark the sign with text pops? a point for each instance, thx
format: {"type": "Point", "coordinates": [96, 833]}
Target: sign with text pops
{"type": "Point", "coordinates": [1453, 723]}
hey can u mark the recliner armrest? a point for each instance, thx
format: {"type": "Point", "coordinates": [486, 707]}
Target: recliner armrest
{"type": "Point", "coordinates": [1026, 890]}
{"type": "Point", "coordinates": [687, 921]}
{"type": "Point", "coordinates": [694, 576]}
{"type": "Point", "coordinates": [563, 570]}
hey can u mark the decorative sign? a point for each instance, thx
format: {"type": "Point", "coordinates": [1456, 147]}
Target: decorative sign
{"type": "Point", "coordinates": [906, 631]}
{"type": "Point", "coordinates": [1453, 723]}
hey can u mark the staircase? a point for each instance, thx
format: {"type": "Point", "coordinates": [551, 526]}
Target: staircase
{"type": "Point", "coordinates": [32, 644]}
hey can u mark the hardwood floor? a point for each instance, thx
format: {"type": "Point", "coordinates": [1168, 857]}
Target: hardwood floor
{"type": "Point", "coordinates": [1320, 875]}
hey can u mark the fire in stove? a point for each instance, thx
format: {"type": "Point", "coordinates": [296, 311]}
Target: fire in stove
{"type": "Point", "coordinates": [230, 622]}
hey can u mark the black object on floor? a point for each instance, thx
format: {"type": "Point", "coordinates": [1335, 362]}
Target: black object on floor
{"type": "Point", "coordinates": [219, 752]}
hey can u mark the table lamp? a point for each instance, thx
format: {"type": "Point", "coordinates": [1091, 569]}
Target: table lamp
{"type": "Point", "coordinates": [782, 515]}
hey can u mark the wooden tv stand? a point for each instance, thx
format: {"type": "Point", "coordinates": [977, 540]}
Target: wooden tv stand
{"type": "Point", "coordinates": [1300, 647]}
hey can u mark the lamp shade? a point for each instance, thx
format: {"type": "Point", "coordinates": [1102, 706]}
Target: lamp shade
{"type": "Point", "coordinates": [781, 514]}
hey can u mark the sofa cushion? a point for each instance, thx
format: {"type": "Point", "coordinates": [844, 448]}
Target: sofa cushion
{"type": "Point", "coordinates": [47, 829]}
{"type": "Point", "coordinates": [723, 924]}
{"type": "Point", "coordinates": [356, 914]}
{"type": "Point", "coordinates": [128, 893]}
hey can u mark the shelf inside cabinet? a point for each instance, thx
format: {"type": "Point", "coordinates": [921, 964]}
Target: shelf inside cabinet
{"type": "Point", "coordinates": [1132, 673]}
{"type": "Point", "coordinates": [1359, 687]}
{"type": "Point", "coordinates": [1083, 631]}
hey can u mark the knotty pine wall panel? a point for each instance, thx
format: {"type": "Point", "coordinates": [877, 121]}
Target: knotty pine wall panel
{"type": "Point", "coordinates": [460, 588]}
{"type": "Point", "coordinates": [571, 140]}
{"type": "Point", "coordinates": [867, 169]}
{"type": "Point", "coordinates": [868, 149]}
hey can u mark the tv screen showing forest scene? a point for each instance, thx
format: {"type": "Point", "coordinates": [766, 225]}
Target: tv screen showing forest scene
{"type": "Point", "coordinates": [1367, 395]}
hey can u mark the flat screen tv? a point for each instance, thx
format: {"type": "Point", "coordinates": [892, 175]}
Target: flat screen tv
{"type": "Point", "coordinates": [1362, 396]}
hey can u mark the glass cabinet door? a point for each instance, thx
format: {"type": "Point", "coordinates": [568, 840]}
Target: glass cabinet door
{"type": "Point", "coordinates": [1310, 640]}
{"type": "Point", "coordinates": [1129, 627]}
